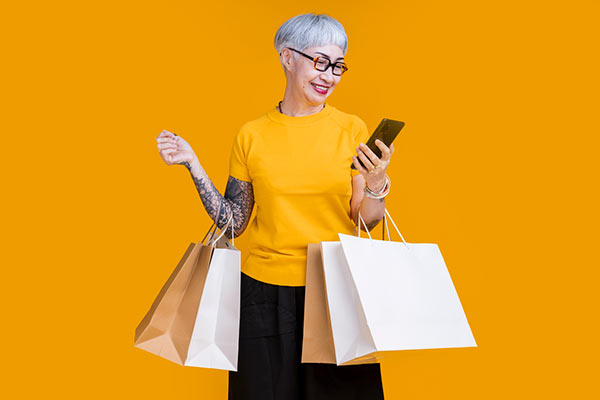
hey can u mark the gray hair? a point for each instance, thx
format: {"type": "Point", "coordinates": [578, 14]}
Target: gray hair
{"type": "Point", "coordinates": [309, 30]}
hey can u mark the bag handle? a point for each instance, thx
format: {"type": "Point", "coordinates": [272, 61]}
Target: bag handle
{"type": "Point", "coordinates": [214, 241]}
{"type": "Point", "coordinates": [227, 225]}
{"type": "Point", "coordinates": [385, 224]}
{"type": "Point", "coordinates": [209, 231]}
{"type": "Point", "coordinates": [211, 227]}
{"type": "Point", "coordinates": [365, 225]}
{"type": "Point", "coordinates": [393, 223]}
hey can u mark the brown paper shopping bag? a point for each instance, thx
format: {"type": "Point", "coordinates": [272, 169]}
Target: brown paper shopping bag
{"type": "Point", "coordinates": [167, 327]}
{"type": "Point", "coordinates": [194, 321]}
{"type": "Point", "coordinates": [317, 344]}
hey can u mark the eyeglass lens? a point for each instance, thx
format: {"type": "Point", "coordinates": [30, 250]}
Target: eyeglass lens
{"type": "Point", "coordinates": [321, 64]}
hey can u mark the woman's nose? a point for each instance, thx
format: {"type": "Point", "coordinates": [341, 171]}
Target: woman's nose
{"type": "Point", "coordinates": [327, 76]}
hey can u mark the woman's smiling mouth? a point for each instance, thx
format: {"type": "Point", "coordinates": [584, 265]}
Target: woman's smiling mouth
{"type": "Point", "coordinates": [320, 88]}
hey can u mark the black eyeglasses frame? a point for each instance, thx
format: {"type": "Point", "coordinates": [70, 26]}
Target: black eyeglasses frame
{"type": "Point", "coordinates": [316, 59]}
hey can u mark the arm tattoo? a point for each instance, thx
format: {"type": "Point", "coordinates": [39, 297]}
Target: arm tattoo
{"type": "Point", "coordinates": [239, 196]}
{"type": "Point", "coordinates": [239, 200]}
{"type": "Point", "coordinates": [373, 224]}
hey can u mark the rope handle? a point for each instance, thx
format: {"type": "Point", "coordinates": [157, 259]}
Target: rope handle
{"type": "Point", "coordinates": [212, 241]}
{"type": "Point", "coordinates": [385, 215]}
{"type": "Point", "coordinates": [227, 225]}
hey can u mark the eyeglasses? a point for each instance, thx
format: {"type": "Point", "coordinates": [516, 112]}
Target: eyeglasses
{"type": "Point", "coordinates": [322, 63]}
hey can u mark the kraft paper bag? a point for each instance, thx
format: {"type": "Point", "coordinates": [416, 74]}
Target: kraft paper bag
{"type": "Point", "coordinates": [201, 323]}
{"type": "Point", "coordinates": [155, 333]}
{"type": "Point", "coordinates": [317, 344]}
{"type": "Point", "coordinates": [402, 293]}
{"type": "Point", "coordinates": [317, 341]}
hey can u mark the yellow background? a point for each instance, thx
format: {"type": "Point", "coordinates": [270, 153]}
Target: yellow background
{"type": "Point", "coordinates": [497, 164]}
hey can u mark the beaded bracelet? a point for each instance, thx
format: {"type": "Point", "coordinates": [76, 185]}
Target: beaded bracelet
{"type": "Point", "coordinates": [384, 192]}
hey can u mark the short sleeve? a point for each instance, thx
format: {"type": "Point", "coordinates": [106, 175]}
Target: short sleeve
{"type": "Point", "coordinates": [238, 161]}
{"type": "Point", "coordinates": [361, 136]}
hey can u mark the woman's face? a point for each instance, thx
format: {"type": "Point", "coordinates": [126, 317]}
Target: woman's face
{"type": "Point", "coordinates": [307, 83]}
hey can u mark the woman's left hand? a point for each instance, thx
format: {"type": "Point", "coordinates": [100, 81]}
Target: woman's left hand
{"type": "Point", "coordinates": [374, 174]}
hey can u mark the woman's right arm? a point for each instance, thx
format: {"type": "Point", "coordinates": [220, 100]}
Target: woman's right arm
{"type": "Point", "coordinates": [239, 195]}
{"type": "Point", "coordinates": [238, 199]}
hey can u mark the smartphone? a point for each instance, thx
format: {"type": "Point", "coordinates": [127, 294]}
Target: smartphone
{"type": "Point", "coordinates": [386, 131]}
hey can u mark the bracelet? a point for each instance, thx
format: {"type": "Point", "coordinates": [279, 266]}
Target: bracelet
{"type": "Point", "coordinates": [384, 192]}
{"type": "Point", "coordinates": [385, 184]}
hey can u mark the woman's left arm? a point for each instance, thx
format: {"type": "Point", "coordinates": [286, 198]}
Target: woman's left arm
{"type": "Point", "coordinates": [373, 177]}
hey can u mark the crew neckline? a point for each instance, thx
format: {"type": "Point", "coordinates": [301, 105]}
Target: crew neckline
{"type": "Point", "coordinates": [276, 116]}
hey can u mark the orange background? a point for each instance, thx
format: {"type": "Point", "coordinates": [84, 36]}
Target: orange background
{"type": "Point", "coordinates": [497, 164]}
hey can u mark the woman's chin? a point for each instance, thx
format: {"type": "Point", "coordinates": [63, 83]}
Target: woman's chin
{"type": "Point", "coordinates": [318, 99]}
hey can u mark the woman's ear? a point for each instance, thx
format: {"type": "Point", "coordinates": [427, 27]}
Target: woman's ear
{"type": "Point", "coordinates": [287, 59]}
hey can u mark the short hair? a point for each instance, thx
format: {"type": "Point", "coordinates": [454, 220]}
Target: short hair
{"type": "Point", "coordinates": [310, 30]}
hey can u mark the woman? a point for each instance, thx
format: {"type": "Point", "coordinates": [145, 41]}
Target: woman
{"type": "Point", "coordinates": [294, 163]}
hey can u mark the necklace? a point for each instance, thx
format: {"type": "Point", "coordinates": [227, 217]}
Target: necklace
{"type": "Point", "coordinates": [279, 107]}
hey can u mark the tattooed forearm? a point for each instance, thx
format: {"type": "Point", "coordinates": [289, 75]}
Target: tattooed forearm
{"type": "Point", "coordinates": [238, 200]}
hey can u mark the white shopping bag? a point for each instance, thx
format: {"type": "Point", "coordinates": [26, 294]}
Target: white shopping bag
{"type": "Point", "coordinates": [349, 327]}
{"type": "Point", "coordinates": [386, 296]}
{"type": "Point", "coordinates": [215, 338]}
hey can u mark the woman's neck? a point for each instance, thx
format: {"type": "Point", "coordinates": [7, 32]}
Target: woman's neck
{"type": "Point", "coordinates": [294, 108]}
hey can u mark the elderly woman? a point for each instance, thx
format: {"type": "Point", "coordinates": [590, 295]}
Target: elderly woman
{"type": "Point", "coordinates": [294, 163]}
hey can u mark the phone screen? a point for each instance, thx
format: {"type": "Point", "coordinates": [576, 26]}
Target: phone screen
{"type": "Point", "coordinates": [386, 131]}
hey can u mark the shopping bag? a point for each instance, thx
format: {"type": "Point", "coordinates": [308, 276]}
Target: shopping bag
{"type": "Point", "coordinates": [388, 296]}
{"type": "Point", "coordinates": [195, 319]}
{"type": "Point", "coordinates": [153, 334]}
{"type": "Point", "coordinates": [351, 336]}
{"type": "Point", "coordinates": [215, 337]}
{"type": "Point", "coordinates": [317, 342]}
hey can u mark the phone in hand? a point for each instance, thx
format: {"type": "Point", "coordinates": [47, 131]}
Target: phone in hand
{"type": "Point", "coordinates": [386, 131]}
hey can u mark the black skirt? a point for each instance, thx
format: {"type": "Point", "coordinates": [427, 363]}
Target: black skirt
{"type": "Point", "coordinates": [270, 350]}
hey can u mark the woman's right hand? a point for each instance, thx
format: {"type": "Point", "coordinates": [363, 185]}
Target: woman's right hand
{"type": "Point", "coordinates": [174, 149]}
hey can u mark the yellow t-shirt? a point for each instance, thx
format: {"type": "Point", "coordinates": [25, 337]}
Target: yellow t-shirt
{"type": "Point", "coordinates": [300, 172]}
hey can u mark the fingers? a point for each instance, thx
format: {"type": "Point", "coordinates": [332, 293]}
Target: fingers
{"type": "Point", "coordinates": [167, 145]}
{"type": "Point", "coordinates": [365, 160]}
{"type": "Point", "coordinates": [168, 142]}
{"type": "Point", "coordinates": [167, 149]}
{"type": "Point", "coordinates": [166, 133]}
{"type": "Point", "coordinates": [385, 151]}
{"type": "Point", "coordinates": [171, 148]}
{"type": "Point", "coordinates": [370, 161]}
{"type": "Point", "coordinates": [359, 167]}
{"type": "Point", "coordinates": [164, 139]}
{"type": "Point", "coordinates": [167, 137]}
